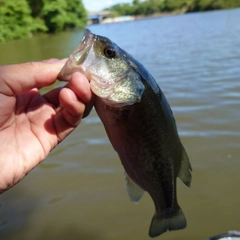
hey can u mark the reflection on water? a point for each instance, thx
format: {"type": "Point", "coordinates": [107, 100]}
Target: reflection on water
{"type": "Point", "coordinates": [79, 191]}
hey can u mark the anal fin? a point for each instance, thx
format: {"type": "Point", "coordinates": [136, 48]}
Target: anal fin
{"type": "Point", "coordinates": [185, 169]}
{"type": "Point", "coordinates": [134, 192]}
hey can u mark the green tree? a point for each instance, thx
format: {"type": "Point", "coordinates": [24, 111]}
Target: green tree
{"type": "Point", "coordinates": [171, 5]}
{"type": "Point", "coordinates": [146, 8]}
{"type": "Point", "coordinates": [16, 20]}
{"type": "Point", "coordinates": [205, 4]}
{"type": "Point", "coordinates": [22, 18]}
{"type": "Point", "coordinates": [152, 6]}
{"type": "Point", "coordinates": [76, 14]}
{"type": "Point", "coordinates": [59, 15]}
{"type": "Point", "coordinates": [229, 3]}
{"type": "Point", "coordinates": [136, 2]}
{"type": "Point", "coordinates": [122, 9]}
{"type": "Point", "coordinates": [36, 7]}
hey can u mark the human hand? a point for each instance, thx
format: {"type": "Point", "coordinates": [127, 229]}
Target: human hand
{"type": "Point", "coordinates": [31, 124]}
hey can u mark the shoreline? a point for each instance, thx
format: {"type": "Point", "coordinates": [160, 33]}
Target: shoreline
{"type": "Point", "coordinates": [154, 15]}
{"type": "Point", "coordinates": [138, 17]}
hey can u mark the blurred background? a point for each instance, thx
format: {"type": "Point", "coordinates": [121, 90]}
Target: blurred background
{"type": "Point", "coordinates": [192, 48]}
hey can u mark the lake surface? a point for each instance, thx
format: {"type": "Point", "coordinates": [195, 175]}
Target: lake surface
{"type": "Point", "coordinates": [78, 192]}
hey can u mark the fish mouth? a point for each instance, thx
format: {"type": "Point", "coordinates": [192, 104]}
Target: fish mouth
{"type": "Point", "coordinates": [85, 44]}
{"type": "Point", "coordinates": [77, 58]}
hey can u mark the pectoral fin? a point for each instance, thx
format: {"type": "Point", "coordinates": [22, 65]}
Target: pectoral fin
{"type": "Point", "coordinates": [134, 192]}
{"type": "Point", "coordinates": [185, 169]}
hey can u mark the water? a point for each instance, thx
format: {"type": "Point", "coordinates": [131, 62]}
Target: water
{"type": "Point", "coordinates": [78, 192]}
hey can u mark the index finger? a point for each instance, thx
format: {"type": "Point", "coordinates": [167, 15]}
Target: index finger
{"type": "Point", "coordinates": [19, 78]}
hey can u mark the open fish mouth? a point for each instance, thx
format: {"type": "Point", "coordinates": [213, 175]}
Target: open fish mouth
{"type": "Point", "coordinates": [82, 51]}
{"type": "Point", "coordinates": [86, 42]}
{"type": "Point", "coordinates": [78, 57]}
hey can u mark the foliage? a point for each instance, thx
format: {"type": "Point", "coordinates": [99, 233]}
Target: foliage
{"type": "Point", "coordinates": [149, 7]}
{"type": "Point", "coordinates": [23, 18]}
{"type": "Point", "coordinates": [16, 20]}
{"type": "Point", "coordinates": [122, 9]}
{"type": "Point", "coordinates": [62, 14]}
{"type": "Point", "coordinates": [154, 6]}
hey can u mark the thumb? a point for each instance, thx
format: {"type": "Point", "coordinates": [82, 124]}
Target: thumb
{"type": "Point", "coordinates": [19, 78]}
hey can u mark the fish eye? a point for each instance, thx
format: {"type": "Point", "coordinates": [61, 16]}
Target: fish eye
{"type": "Point", "coordinates": [109, 52]}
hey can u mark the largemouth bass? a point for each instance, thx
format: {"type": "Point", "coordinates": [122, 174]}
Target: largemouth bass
{"type": "Point", "coordinates": [139, 123]}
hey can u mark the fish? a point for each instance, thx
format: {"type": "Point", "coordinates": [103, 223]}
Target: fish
{"type": "Point", "coordinates": [139, 123]}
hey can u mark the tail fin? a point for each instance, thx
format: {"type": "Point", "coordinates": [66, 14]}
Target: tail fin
{"type": "Point", "coordinates": [160, 225]}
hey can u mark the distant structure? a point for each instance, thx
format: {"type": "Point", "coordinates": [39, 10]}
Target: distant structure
{"type": "Point", "coordinates": [119, 19]}
{"type": "Point", "coordinates": [98, 17]}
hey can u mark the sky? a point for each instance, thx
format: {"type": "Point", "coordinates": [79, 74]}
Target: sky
{"type": "Point", "coordinates": [98, 5]}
